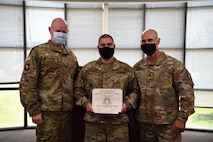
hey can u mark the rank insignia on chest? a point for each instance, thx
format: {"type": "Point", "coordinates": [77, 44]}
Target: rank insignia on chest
{"type": "Point", "coordinates": [166, 82]}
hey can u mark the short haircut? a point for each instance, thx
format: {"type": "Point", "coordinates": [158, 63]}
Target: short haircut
{"type": "Point", "coordinates": [105, 36]}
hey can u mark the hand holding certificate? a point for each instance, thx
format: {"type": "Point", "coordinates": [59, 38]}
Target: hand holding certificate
{"type": "Point", "coordinates": [107, 100]}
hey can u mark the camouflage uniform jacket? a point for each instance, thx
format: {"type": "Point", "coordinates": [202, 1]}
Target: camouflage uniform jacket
{"type": "Point", "coordinates": [164, 85]}
{"type": "Point", "coordinates": [47, 80]}
{"type": "Point", "coordinates": [98, 75]}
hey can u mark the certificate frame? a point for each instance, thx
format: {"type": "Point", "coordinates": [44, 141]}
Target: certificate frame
{"type": "Point", "coordinates": [107, 100]}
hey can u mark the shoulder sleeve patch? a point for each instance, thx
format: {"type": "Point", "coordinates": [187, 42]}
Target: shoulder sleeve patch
{"type": "Point", "coordinates": [27, 66]}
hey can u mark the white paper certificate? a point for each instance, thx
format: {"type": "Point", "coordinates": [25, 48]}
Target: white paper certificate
{"type": "Point", "coordinates": [107, 100]}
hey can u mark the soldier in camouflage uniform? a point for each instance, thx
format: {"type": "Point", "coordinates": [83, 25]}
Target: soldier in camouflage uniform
{"type": "Point", "coordinates": [106, 72]}
{"type": "Point", "coordinates": [167, 94]}
{"type": "Point", "coordinates": [46, 86]}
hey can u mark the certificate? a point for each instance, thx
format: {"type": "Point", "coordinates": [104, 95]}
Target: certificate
{"type": "Point", "coordinates": [107, 100]}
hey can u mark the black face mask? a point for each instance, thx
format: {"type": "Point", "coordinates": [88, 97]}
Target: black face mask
{"type": "Point", "coordinates": [106, 52]}
{"type": "Point", "coordinates": [148, 49]}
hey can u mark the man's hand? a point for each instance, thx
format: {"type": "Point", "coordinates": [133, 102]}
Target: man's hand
{"type": "Point", "coordinates": [178, 126]}
{"type": "Point", "coordinates": [124, 108]}
{"type": "Point", "coordinates": [89, 107]}
{"type": "Point", "coordinates": [37, 119]}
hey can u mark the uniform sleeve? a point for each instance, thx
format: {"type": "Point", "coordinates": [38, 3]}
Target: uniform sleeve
{"type": "Point", "coordinates": [133, 95]}
{"type": "Point", "coordinates": [28, 84]}
{"type": "Point", "coordinates": [79, 93]}
{"type": "Point", "coordinates": [185, 91]}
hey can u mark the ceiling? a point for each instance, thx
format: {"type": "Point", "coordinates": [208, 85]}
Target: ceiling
{"type": "Point", "coordinates": [97, 1]}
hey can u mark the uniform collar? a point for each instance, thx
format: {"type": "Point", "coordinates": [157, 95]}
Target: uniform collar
{"type": "Point", "coordinates": [56, 49]}
{"type": "Point", "coordinates": [100, 65]}
{"type": "Point", "coordinates": [158, 61]}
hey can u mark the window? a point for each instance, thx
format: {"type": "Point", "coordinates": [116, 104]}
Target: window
{"type": "Point", "coordinates": [85, 25]}
{"type": "Point", "coordinates": [11, 34]}
{"type": "Point", "coordinates": [199, 45]}
{"type": "Point", "coordinates": [185, 31]}
{"type": "Point", "coordinates": [169, 21]}
{"type": "Point", "coordinates": [38, 21]}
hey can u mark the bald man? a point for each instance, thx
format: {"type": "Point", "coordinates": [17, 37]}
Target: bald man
{"type": "Point", "coordinates": [167, 94]}
{"type": "Point", "coordinates": [46, 85]}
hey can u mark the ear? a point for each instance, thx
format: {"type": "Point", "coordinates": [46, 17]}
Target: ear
{"type": "Point", "coordinates": [50, 30]}
{"type": "Point", "coordinates": [158, 41]}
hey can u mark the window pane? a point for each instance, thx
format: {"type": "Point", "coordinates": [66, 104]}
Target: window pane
{"type": "Point", "coordinates": [175, 53]}
{"type": "Point", "coordinates": [199, 27]}
{"type": "Point", "coordinates": [125, 5]}
{"type": "Point", "coordinates": [11, 63]}
{"type": "Point", "coordinates": [11, 110]}
{"type": "Point", "coordinates": [85, 5]}
{"type": "Point", "coordinates": [128, 56]}
{"type": "Point", "coordinates": [165, 5]}
{"type": "Point", "coordinates": [169, 23]}
{"type": "Point", "coordinates": [85, 27]}
{"type": "Point", "coordinates": [29, 121]}
{"type": "Point", "coordinates": [45, 4]}
{"type": "Point", "coordinates": [11, 26]}
{"type": "Point", "coordinates": [125, 25]}
{"type": "Point", "coordinates": [204, 99]}
{"type": "Point", "coordinates": [12, 2]}
{"type": "Point", "coordinates": [201, 119]}
{"type": "Point", "coordinates": [86, 55]}
{"type": "Point", "coordinates": [200, 3]}
{"type": "Point", "coordinates": [38, 21]}
{"type": "Point", "coordinates": [200, 65]}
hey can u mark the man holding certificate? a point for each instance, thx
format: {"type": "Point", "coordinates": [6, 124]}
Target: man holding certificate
{"type": "Point", "coordinates": [107, 89]}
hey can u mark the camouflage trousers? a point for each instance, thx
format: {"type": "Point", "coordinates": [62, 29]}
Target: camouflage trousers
{"type": "Point", "coordinates": [56, 127]}
{"type": "Point", "coordinates": [99, 132]}
{"type": "Point", "coordinates": [158, 133]}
